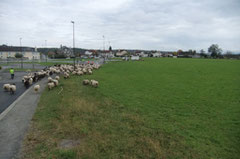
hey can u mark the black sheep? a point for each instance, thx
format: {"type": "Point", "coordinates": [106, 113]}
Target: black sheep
{"type": "Point", "coordinates": [26, 83]}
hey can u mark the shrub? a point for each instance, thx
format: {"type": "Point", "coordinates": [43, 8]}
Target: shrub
{"type": "Point", "coordinates": [18, 55]}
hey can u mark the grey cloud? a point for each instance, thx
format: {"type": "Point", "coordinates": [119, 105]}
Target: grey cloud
{"type": "Point", "coordinates": [145, 24]}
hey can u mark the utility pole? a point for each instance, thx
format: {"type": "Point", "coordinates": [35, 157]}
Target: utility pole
{"type": "Point", "coordinates": [33, 62]}
{"type": "Point", "coordinates": [21, 52]}
{"type": "Point", "coordinates": [109, 44]}
{"type": "Point", "coordinates": [103, 43]}
{"type": "Point", "coordinates": [46, 56]}
{"type": "Point", "coordinates": [73, 46]}
{"type": "Point", "coordinates": [104, 48]}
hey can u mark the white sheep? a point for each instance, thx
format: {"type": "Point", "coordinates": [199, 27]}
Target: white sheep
{"type": "Point", "coordinates": [36, 88]}
{"type": "Point", "coordinates": [66, 75]}
{"type": "Point", "coordinates": [74, 72]}
{"type": "Point", "coordinates": [57, 78]}
{"type": "Point", "coordinates": [89, 72]}
{"type": "Point", "coordinates": [84, 70]}
{"type": "Point", "coordinates": [50, 79]}
{"type": "Point", "coordinates": [94, 83]}
{"type": "Point", "coordinates": [55, 82]}
{"type": "Point", "coordinates": [86, 82]}
{"type": "Point", "coordinates": [50, 85]}
{"type": "Point", "coordinates": [30, 81]}
{"type": "Point", "coordinates": [6, 87]}
{"type": "Point", "coordinates": [13, 88]}
{"type": "Point", "coordinates": [79, 73]}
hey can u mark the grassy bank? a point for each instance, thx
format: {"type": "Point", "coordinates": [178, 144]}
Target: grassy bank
{"type": "Point", "coordinates": [157, 108]}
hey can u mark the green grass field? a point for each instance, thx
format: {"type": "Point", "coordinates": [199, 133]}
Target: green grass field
{"type": "Point", "coordinates": [157, 108]}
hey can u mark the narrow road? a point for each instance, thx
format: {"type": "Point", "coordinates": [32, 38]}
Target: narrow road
{"type": "Point", "coordinates": [5, 97]}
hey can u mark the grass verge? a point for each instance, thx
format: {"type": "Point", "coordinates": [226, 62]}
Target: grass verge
{"type": "Point", "coordinates": [157, 108]}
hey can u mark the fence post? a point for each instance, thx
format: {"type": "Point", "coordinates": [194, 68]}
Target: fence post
{"type": "Point", "coordinates": [21, 62]}
{"type": "Point", "coordinates": [33, 62]}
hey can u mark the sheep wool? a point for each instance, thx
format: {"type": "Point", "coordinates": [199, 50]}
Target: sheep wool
{"type": "Point", "coordinates": [50, 79]}
{"type": "Point", "coordinates": [86, 82]}
{"type": "Point", "coordinates": [66, 75]}
{"type": "Point", "coordinates": [50, 85]}
{"type": "Point", "coordinates": [57, 78]}
{"type": "Point", "coordinates": [74, 72]}
{"type": "Point", "coordinates": [79, 73]}
{"type": "Point", "coordinates": [30, 81]}
{"type": "Point", "coordinates": [6, 87]}
{"type": "Point", "coordinates": [55, 82]}
{"type": "Point", "coordinates": [89, 72]}
{"type": "Point", "coordinates": [36, 88]}
{"type": "Point", "coordinates": [13, 88]}
{"type": "Point", "coordinates": [94, 83]}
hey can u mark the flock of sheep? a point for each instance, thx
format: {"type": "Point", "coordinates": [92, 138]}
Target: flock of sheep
{"type": "Point", "coordinates": [63, 69]}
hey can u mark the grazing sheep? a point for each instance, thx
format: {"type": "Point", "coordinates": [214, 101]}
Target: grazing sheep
{"type": "Point", "coordinates": [50, 79]}
{"type": "Point", "coordinates": [66, 75]}
{"type": "Point", "coordinates": [79, 73]}
{"type": "Point", "coordinates": [36, 88]}
{"type": "Point", "coordinates": [84, 70]}
{"type": "Point", "coordinates": [6, 87]}
{"type": "Point", "coordinates": [94, 83]}
{"type": "Point", "coordinates": [74, 72]}
{"type": "Point", "coordinates": [57, 78]}
{"type": "Point", "coordinates": [55, 82]}
{"type": "Point", "coordinates": [13, 88]}
{"type": "Point", "coordinates": [30, 81]}
{"type": "Point", "coordinates": [50, 85]}
{"type": "Point", "coordinates": [86, 82]}
{"type": "Point", "coordinates": [89, 72]}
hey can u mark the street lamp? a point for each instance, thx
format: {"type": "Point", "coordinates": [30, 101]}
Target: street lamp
{"type": "Point", "coordinates": [73, 46]}
{"type": "Point", "coordinates": [104, 55]}
{"type": "Point", "coordinates": [46, 56]}
{"type": "Point", "coordinates": [20, 42]}
{"type": "Point", "coordinates": [103, 43]}
{"type": "Point", "coordinates": [20, 39]}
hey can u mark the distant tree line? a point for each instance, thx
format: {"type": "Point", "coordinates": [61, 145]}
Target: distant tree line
{"type": "Point", "coordinates": [214, 51]}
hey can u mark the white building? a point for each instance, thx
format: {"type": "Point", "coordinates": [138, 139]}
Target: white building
{"type": "Point", "coordinates": [135, 58]}
{"type": "Point", "coordinates": [88, 53]}
{"type": "Point", "coordinates": [121, 53]}
{"type": "Point", "coordinates": [157, 54]}
{"type": "Point", "coordinates": [27, 52]}
{"type": "Point", "coordinates": [142, 54]}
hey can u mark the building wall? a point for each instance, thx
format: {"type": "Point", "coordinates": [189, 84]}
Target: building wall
{"type": "Point", "coordinates": [29, 55]}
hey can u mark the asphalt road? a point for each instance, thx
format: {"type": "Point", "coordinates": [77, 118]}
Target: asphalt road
{"type": "Point", "coordinates": [6, 98]}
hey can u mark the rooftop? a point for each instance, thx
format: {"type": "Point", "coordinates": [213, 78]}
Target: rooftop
{"type": "Point", "coordinates": [16, 49]}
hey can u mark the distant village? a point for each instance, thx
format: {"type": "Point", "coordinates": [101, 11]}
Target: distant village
{"type": "Point", "coordinates": [13, 52]}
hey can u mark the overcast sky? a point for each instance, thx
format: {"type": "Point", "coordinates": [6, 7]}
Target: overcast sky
{"type": "Point", "coordinates": [132, 24]}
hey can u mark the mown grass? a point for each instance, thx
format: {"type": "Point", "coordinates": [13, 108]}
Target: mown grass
{"type": "Point", "coordinates": [157, 108]}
